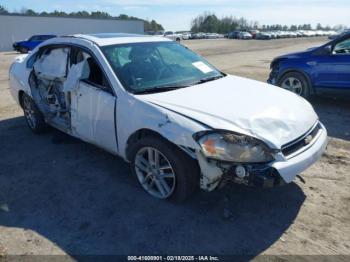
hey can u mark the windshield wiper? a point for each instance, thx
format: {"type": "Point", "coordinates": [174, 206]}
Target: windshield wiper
{"type": "Point", "coordinates": [208, 79]}
{"type": "Point", "coordinates": [158, 89]}
{"type": "Point", "coordinates": [165, 88]}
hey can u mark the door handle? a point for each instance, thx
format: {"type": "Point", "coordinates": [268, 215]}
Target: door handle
{"type": "Point", "coordinates": [312, 63]}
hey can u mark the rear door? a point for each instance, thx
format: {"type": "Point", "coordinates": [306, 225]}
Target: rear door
{"type": "Point", "coordinates": [93, 105]}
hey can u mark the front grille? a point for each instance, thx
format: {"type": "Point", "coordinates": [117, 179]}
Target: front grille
{"type": "Point", "coordinates": [301, 142]}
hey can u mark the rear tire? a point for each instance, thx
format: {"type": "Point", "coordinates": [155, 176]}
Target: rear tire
{"type": "Point", "coordinates": [296, 83]}
{"type": "Point", "coordinates": [180, 171]}
{"type": "Point", "coordinates": [34, 118]}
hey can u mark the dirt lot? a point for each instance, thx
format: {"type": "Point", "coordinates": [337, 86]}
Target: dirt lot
{"type": "Point", "coordinates": [60, 195]}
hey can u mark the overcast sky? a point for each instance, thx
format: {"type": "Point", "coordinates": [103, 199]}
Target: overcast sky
{"type": "Point", "coordinates": [177, 14]}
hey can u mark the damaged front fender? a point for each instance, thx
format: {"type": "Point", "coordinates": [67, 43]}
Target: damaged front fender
{"type": "Point", "coordinates": [173, 127]}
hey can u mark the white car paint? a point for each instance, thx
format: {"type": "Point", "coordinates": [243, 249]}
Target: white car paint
{"type": "Point", "coordinates": [245, 106]}
{"type": "Point", "coordinates": [268, 113]}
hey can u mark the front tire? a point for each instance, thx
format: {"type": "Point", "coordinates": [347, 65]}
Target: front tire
{"type": "Point", "coordinates": [163, 170]}
{"type": "Point", "coordinates": [296, 83]}
{"type": "Point", "coordinates": [23, 50]}
{"type": "Point", "coordinates": [34, 118]}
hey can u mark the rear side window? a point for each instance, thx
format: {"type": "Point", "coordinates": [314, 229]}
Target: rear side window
{"type": "Point", "coordinates": [44, 51]}
{"type": "Point", "coordinates": [52, 63]}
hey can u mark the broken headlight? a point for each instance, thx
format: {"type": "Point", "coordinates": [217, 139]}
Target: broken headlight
{"type": "Point", "coordinates": [231, 147]}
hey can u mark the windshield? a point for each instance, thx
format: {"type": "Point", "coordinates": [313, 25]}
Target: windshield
{"type": "Point", "coordinates": [143, 67]}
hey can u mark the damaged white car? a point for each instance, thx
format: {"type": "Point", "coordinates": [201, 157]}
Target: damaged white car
{"type": "Point", "coordinates": [180, 122]}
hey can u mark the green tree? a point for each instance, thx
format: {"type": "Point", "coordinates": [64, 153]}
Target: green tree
{"type": "Point", "coordinates": [58, 13]}
{"type": "Point", "coordinates": [30, 12]}
{"type": "Point", "coordinates": [293, 27]}
{"type": "Point", "coordinates": [99, 14]}
{"type": "Point", "coordinates": [44, 13]}
{"type": "Point", "coordinates": [211, 24]}
{"type": "Point", "coordinates": [83, 14]}
{"type": "Point", "coordinates": [319, 26]}
{"type": "Point", "coordinates": [123, 17]}
{"type": "Point", "coordinates": [3, 10]}
{"type": "Point", "coordinates": [152, 26]}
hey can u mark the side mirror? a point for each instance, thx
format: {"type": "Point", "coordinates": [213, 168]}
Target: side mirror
{"type": "Point", "coordinates": [328, 49]}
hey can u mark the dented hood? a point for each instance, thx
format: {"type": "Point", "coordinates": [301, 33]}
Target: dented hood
{"type": "Point", "coordinates": [269, 113]}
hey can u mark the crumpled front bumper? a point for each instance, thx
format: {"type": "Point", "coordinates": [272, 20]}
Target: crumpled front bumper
{"type": "Point", "coordinates": [289, 168]}
{"type": "Point", "coordinates": [281, 171]}
{"type": "Point", "coordinates": [273, 76]}
{"type": "Point", "coordinates": [16, 47]}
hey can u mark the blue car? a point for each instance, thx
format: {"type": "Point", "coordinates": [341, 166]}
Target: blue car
{"type": "Point", "coordinates": [317, 70]}
{"type": "Point", "coordinates": [31, 43]}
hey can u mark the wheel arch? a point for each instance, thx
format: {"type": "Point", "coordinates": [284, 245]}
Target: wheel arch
{"type": "Point", "coordinates": [303, 73]}
{"type": "Point", "coordinates": [144, 132]}
{"type": "Point", "coordinates": [20, 96]}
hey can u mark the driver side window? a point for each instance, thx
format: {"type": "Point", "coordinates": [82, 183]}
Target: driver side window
{"type": "Point", "coordinates": [342, 48]}
{"type": "Point", "coordinates": [96, 76]}
{"type": "Point", "coordinates": [34, 38]}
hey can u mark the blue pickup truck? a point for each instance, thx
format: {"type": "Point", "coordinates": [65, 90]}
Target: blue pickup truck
{"type": "Point", "coordinates": [27, 45]}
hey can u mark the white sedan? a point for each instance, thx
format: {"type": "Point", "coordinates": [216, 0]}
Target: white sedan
{"type": "Point", "coordinates": [180, 122]}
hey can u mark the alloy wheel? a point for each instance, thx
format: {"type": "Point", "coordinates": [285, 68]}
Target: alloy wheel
{"type": "Point", "coordinates": [29, 111]}
{"type": "Point", "coordinates": [155, 172]}
{"type": "Point", "coordinates": [293, 84]}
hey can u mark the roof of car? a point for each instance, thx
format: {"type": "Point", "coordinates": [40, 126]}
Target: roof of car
{"type": "Point", "coordinates": [45, 35]}
{"type": "Point", "coordinates": [104, 39]}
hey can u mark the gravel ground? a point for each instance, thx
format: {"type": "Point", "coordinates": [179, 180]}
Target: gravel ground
{"type": "Point", "coordinates": [59, 195]}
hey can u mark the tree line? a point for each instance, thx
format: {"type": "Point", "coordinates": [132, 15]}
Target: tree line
{"type": "Point", "coordinates": [149, 25]}
{"type": "Point", "coordinates": [210, 23]}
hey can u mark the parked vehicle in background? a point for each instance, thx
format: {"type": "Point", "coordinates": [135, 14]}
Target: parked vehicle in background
{"type": "Point", "coordinates": [173, 36]}
{"type": "Point", "coordinates": [251, 34]}
{"type": "Point", "coordinates": [316, 70]}
{"type": "Point", "coordinates": [273, 34]}
{"type": "Point", "coordinates": [233, 35]}
{"type": "Point", "coordinates": [28, 45]}
{"type": "Point", "coordinates": [213, 36]}
{"type": "Point", "coordinates": [263, 36]}
{"type": "Point", "coordinates": [199, 35]}
{"type": "Point", "coordinates": [335, 35]}
{"type": "Point", "coordinates": [244, 36]}
{"type": "Point", "coordinates": [168, 112]}
{"type": "Point", "coordinates": [293, 34]}
{"type": "Point", "coordinates": [299, 33]}
{"type": "Point", "coordinates": [283, 34]}
{"type": "Point", "coordinates": [254, 33]}
{"type": "Point", "coordinates": [186, 36]}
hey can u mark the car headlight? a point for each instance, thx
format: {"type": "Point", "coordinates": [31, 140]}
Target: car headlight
{"type": "Point", "coordinates": [231, 147]}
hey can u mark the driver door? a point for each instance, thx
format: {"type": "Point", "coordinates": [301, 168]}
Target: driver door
{"type": "Point", "coordinates": [333, 70]}
{"type": "Point", "coordinates": [94, 107]}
